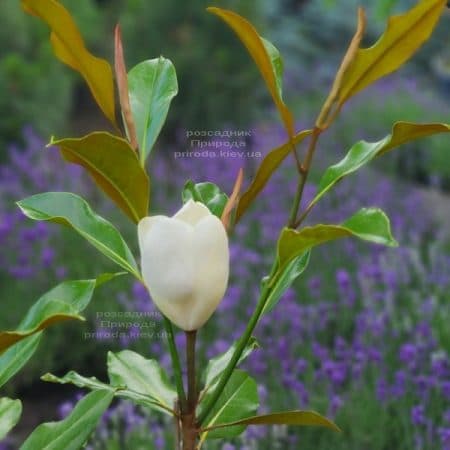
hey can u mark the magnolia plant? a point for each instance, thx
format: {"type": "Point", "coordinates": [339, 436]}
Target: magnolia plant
{"type": "Point", "coordinates": [185, 258]}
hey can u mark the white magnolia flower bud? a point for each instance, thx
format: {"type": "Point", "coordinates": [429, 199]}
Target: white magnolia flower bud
{"type": "Point", "coordinates": [185, 263]}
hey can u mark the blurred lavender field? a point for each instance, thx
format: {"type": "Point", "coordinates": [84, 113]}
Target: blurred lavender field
{"type": "Point", "coordinates": [363, 336]}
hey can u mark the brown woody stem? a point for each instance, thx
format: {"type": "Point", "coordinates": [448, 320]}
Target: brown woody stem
{"type": "Point", "coordinates": [189, 426]}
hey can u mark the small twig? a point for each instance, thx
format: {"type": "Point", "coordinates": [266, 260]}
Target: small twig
{"type": "Point", "coordinates": [303, 215]}
{"type": "Point", "coordinates": [297, 159]}
{"type": "Point", "coordinates": [303, 177]}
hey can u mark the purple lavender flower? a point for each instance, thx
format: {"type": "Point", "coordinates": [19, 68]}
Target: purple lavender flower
{"type": "Point", "coordinates": [418, 415]}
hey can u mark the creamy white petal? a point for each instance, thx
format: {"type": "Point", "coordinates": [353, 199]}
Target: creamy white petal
{"type": "Point", "coordinates": [192, 212]}
{"type": "Point", "coordinates": [185, 263]}
{"type": "Point", "coordinates": [168, 267]}
{"type": "Point", "coordinates": [211, 256]}
{"type": "Point", "coordinates": [144, 226]}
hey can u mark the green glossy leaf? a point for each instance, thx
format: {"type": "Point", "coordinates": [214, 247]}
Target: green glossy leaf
{"type": "Point", "coordinates": [105, 277]}
{"type": "Point", "coordinates": [238, 401]}
{"type": "Point", "coordinates": [62, 303]}
{"type": "Point", "coordinates": [368, 224]}
{"type": "Point", "coordinates": [283, 282]}
{"type": "Point", "coordinates": [263, 54]}
{"type": "Point", "coordinates": [404, 35]}
{"type": "Point", "coordinates": [277, 64]}
{"type": "Point", "coordinates": [72, 432]}
{"type": "Point", "coordinates": [78, 380]}
{"type": "Point", "coordinates": [69, 47]}
{"type": "Point", "coordinates": [94, 384]}
{"type": "Point", "coordinates": [152, 86]}
{"type": "Point", "coordinates": [207, 193]}
{"type": "Point", "coordinates": [217, 364]}
{"type": "Point", "coordinates": [13, 359]}
{"type": "Point", "coordinates": [141, 375]}
{"type": "Point", "coordinates": [114, 166]}
{"type": "Point", "coordinates": [363, 152]}
{"type": "Point", "coordinates": [268, 166]}
{"type": "Point", "coordinates": [298, 418]}
{"type": "Point", "coordinates": [10, 412]}
{"type": "Point", "coordinates": [71, 210]}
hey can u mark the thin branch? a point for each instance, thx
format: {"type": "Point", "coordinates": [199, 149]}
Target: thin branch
{"type": "Point", "coordinates": [303, 177]}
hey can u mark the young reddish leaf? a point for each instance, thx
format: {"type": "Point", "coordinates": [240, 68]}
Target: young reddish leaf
{"type": "Point", "coordinates": [258, 49]}
{"type": "Point", "coordinates": [226, 214]}
{"type": "Point", "coordinates": [114, 166]}
{"type": "Point", "coordinates": [323, 121]}
{"type": "Point", "coordinates": [69, 47]}
{"type": "Point", "coordinates": [404, 35]}
{"type": "Point", "coordinates": [122, 87]}
{"type": "Point", "coordinates": [270, 163]}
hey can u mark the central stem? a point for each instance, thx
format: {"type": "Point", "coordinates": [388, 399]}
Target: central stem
{"type": "Point", "coordinates": [191, 378]}
{"type": "Point", "coordinates": [190, 432]}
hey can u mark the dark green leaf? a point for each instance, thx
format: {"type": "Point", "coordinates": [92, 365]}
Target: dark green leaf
{"type": "Point", "coordinates": [72, 432]}
{"type": "Point", "coordinates": [10, 412]}
{"type": "Point", "coordinates": [368, 224]}
{"type": "Point", "coordinates": [363, 152]}
{"type": "Point", "coordinates": [143, 376]}
{"type": "Point", "coordinates": [64, 302]}
{"type": "Point", "coordinates": [94, 384]}
{"type": "Point", "coordinates": [152, 85]}
{"type": "Point", "coordinates": [13, 359]}
{"type": "Point", "coordinates": [282, 282]}
{"type": "Point", "coordinates": [207, 193]}
{"type": "Point", "coordinates": [238, 401]}
{"type": "Point", "coordinates": [71, 210]}
{"type": "Point", "coordinates": [217, 364]}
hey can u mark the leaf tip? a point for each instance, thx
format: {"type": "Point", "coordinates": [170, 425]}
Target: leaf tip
{"type": "Point", "coordinates": [47, 377]}
{"type": "Point", "coordinates": [53, 140]}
